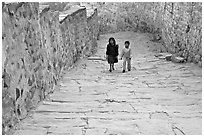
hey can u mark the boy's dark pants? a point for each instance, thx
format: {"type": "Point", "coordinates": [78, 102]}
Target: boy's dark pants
{"type": "Point", "coordinates": [128, 60]}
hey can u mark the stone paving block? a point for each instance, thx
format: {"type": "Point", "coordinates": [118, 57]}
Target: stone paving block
{"type": "Point", "coordinates": [96, 131]}
{"type": "Point", "coordinates": [116, 106]}
{"type": "Point", "coordinates": [114, 115]}
{"type": "Point", "coordinates": [154, 127]}
{"type": "Point", "coordinates": [116, 127]}
{"type": "Point", "coordinates": [33, 131]}
{"type": "Point", "coordinates": [64, 130]}
{"type": "Point", "coordinates": [185, 125]}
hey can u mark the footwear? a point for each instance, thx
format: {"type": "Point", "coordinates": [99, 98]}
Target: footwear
{"type": "Point", "coordinates": [128, 69]}
{"type": "Point", "coordinates": [123, 71]}
{"type": "Point", "coordinates": [110, 70]}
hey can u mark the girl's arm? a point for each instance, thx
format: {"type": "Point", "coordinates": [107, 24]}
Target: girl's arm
{"type": "Point", "coordinates": [117, 47]}
{"type": "Point", "coordinates": [107, 50]}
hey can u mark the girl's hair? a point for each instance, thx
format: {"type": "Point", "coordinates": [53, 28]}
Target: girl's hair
{"type": "Point", "coordinates": [112, 39]}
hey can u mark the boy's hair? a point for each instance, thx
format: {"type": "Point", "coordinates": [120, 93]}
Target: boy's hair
{"type": "Point", "coordinates": [127, 42]}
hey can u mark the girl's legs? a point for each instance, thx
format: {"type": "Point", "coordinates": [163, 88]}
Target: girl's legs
{"type": "Point", "coordinates": [110, 67]}
{"type": "Point", "coordinates": [113, 66]}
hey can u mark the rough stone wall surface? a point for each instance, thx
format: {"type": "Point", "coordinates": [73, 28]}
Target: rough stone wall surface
{"type": "Point", "coordinates": [92, 31]}
{"type": "Point", "coordinates": [56, 6]}
{"type": "Point", "coordinates": [73, 29]}
{"type": "Point", "coordinates": [37, 45]}
{"type": "Point", "coordinates": [51, 49]}
{"type": "Point", "coordinates": [182, 30]}
{"type": "Point", "coordinates": [21, 61]}
{"type": "Point", "coordinates": [177, 24]}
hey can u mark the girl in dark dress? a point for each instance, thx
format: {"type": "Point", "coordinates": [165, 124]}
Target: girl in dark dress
{"type": "Point", "coordinates": [112, 53]}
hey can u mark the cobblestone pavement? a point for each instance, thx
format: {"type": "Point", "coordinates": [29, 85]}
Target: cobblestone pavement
{"type": "Point", "coordinates": [156, 97]}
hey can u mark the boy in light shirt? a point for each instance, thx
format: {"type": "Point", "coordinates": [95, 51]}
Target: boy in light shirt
{"type": "Point", "coordinates": [126, 55]}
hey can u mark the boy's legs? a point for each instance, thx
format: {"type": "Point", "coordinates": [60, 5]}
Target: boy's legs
{"type": "Point", "coordinates": [124, 63]}
{"type": "Point", "coordinates": [129, 64]}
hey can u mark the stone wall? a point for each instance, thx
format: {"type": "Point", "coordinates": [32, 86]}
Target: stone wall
{"type": "Point", "coordinates": [73, 24]}
{"type": "Point", "coordinates": [37, 45]}
{"type": "Point", "coordinates": [92, 31]}
{"type": "Point", "coordinates": [51, 50]}
{"type": "Point", "coordinates": [182, 30]}
{"type": "Point", "coordinates": [21, 41]}
{"type": "Point", "coordinates": [178, 25]}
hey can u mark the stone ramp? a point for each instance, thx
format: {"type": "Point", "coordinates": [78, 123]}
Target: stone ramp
{"type": "Point", "coordinates": [156, 97]}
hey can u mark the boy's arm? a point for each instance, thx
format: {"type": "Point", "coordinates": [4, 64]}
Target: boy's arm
{"type": "Point", "coordinates": [130, 53]}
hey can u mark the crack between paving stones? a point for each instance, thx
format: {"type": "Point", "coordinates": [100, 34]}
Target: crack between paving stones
{"type": "Point", "coordinates": [133, 107]}
{"type": "Point", "coordinates": [83, 131]}
{"type": "Point", "coordinates": [69, 101]}
{"type": "Point", "coordinates": [142, 98]}
{"type": "Point", "coordinates": [104, 118]}
{"type": "Point", "coordinates": [174, 127]}
{"type": "Point", "coordinates": [106, 131]}
{"type": "Point", "coordinates": [158, 112]}
{"type": "Point", "coordinates": [76, 81]}
{"type": "Point", "coordinates": [99, 94]}
{"type": "Point", "coordinates": [132, 92]}
{"type": "Point", "coordinates": [47, 129]}
{"type": "Point", "coordinates": [85, 127]}
{"type": "Point", "coordinates": [193, 104]}
{"type": "Point", "coordinates": [80, 89]}
{"type": "Point", "coordinates": [103, 111]}
{"type": "Point", "coordinates": [106, 94]}
{"type": "Point", "coordinates": [155, 60]}
{"type": "Point", "coordinates": [115, 118]}
{"type": "Point", "coordinates": [124, 111]}
{"type": "Point", "coordinates": [150, 115]}
{"type": "Point", "coordinates": [66, 118]}
{"type": "Point", "coordinates": [145, 82]}
{"type": "Point", "coordinates": [112, 100]}
{"type": "Point", "coordinates": [61, 112]}
{"type": "Point", "coordinates": [148, 68]}
{"type": "Point", "coordinates": [134, 68]}
{"type": "Point", "coordinates": [61, 101]}
{"type": "Point", "coordinates": [169, 76]}
{"type": "Point", "coordinates": [136, 125]}
{"type": "Point", "coordinates": [188, 117]}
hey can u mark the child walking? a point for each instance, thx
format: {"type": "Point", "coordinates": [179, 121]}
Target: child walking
{"type": "Point", "coordinates": [126, 55]}
{"type": "Point", "coordinates": [112, 53]}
